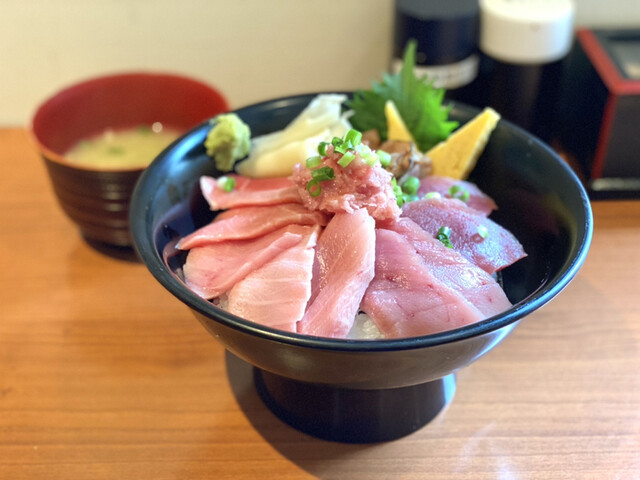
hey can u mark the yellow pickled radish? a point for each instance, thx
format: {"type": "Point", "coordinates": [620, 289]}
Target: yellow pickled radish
{"type": "Point", "coordinates": [396, 129]}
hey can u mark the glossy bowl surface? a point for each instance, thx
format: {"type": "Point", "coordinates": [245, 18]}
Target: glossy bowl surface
{"type": "Point", "coordinates": [98, 200]}
{"type": "Point", "coordinates": [540, 200]}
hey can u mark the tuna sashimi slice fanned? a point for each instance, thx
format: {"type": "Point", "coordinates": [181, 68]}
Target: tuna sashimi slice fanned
{"type": "Point", "coordinates": [405, 299]}
{"type": "Point", "coordinates": [212, 270]}
{"type": "Point", "coordinates": [276, 294]}
{"type": "Point", "coordinates": [249, 192]}
{"type": "Point", "coordinates": [250, 222]}
{"type": "Point", "coordinates": [477, 200]}
{"type": "Point", "coordinates": [478, 238]}
{"type": "Point", "coordinates": [345, 257]}
{"type": "Point", "coordinates": [454, 270]}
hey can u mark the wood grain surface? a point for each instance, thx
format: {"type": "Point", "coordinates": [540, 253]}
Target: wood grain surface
{"type": "Point", "coordinates": [105, 375]}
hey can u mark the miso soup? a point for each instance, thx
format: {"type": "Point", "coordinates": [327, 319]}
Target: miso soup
{"type": "Point", "coordinates": [116, 149]}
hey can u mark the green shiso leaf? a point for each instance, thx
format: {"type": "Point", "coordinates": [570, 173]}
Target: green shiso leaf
{"type": "Point", "coordinates": [419, 104]}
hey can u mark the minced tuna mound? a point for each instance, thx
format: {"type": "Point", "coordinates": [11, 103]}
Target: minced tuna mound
{"type": "Point", "coordinates": [356, 186]}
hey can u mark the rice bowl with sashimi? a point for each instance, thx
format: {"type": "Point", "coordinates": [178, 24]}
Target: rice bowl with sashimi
{"type": "Point", "coordinates": [343, 247]}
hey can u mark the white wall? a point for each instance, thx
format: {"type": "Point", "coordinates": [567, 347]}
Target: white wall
{"type": "Point", "coordinates": [250, 49]}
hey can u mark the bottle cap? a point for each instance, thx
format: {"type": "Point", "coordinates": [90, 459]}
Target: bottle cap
{"type": "Point", "coordinates": [526, 31]}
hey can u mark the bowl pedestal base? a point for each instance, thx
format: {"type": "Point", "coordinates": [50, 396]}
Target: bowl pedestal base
{"type": "Point", "coordinates": [353, 416]}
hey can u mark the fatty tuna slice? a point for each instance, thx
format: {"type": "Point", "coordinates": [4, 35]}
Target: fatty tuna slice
{"type": "Point", "coordinates": [276, 294]}
{"type": "Point", "coordinates": [478, 200]}
{"type": "Point", "coordinates": [250, 222]}
{"type": "Point", "coordinates": [454, 270]}
{"type": "Point", "coordinates": [493, 251]}
{"type": "Point", "coordinates": [249, 192]}
{"type": "Point", "coordinates": [213, 270]}
{"type": "Point", "coordinates": [345, 257]}
{"type": "Point", "coordinates": [406, 299]}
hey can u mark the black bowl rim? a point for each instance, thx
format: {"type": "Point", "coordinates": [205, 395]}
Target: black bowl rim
{"type": "Point", "coordinates": [146, 250]}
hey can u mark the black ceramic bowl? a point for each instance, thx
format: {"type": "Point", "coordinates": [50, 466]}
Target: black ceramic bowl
{"type": "Point", "coordinates": [364, 391]}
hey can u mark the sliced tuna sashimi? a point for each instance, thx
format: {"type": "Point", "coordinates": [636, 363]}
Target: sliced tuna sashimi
{"type": "Point", "coordinates": [250, 222]}
{"type": "Point", "coordinates": [249, 192]}
{"type": "Point", "coordinates": [479, 239]}
{"type": "Point", "coordinates": [406, 299]}
{"type": "Point", "coordinates": [454, 270]}
{"type": "Point", "coordinates": [478, 200]}
{"type": "Point", "coordinates": [212, 270]}
{"type": "Point", "coordinates": [345, 257]}
{"type": "Point", "coordinates": [277, 293]}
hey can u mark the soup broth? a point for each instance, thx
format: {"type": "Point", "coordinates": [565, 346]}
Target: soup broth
{"type": "Point", "coordinates": [129, 148]}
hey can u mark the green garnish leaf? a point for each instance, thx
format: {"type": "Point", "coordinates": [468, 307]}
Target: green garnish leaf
{"type": "Point", "coordinates": [444, 235]}
{"type": "Point", "coordinates": [419, 104]}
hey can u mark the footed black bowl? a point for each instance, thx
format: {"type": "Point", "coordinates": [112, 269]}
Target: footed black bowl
{"type": "Point", "coordinates": [358, 390]}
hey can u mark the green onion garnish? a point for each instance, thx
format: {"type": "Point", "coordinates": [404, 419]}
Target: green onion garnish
{"type": "Point", "coordinates": [433, 195]}
{"type": "Point", "coordinates": [314, 161]}
{"type": "Point", "coordinates": [323, 174]}
{"type": "Point", "coordinates": [459, 192]}
{"type": "Point", "coordinates": [397, 191]}
{"type": "Point", "coordinates": [483, 231]}
{"type": "Point", "coordinates": [314, 188]}
{"type": "Point", "coordinates": [354, 137]}
{"type": "Point", "coordinates": [322, 148]}
{"type": "Point", "coordinates": [444, 234]}
{"type": "Point", "coordinates": [411, 185]}
{"type": "Point", "coordinates": [346, 159]}
{"type": "Point", "coordinates": [384, 157]}
{"type": "Point", "coordinates": [227, 183]}
{"type": "Point", "coordinates": [370, 158]}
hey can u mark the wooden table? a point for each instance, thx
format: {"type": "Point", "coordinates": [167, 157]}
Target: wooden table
{"type": "Point", "coordinates": [104, 375]}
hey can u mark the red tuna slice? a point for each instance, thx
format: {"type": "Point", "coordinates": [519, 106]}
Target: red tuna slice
{"type": "Point", "coordinates": [250, 222]}
{"type": "Point", "coordinates": [454, 270]}
{"type": "Point", "coordinates": [405, 298]}
{"type": "Point", "coordinates": [497, 250]}
{"type": "Point", "coordinates": [212, 270]}
{"type": "Point", "coordinates": [478, 200]}
{"type": "Point", "coordinates": [355, 186]}
{"type": "Point", "coordinates": [249, 192]}
{"type": "Point", "coordinates": [276, 294]}
{"type": "Point", "coordinates": [345, 256]}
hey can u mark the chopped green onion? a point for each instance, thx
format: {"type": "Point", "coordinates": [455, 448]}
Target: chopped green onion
{"type": "Point", "coordinates": [397, 191]}
{"type": "Point", "coordinates": [370, 158]}
{"type": "Point", "coordinates": [346, 159]}
{"type": "Point", "coordinates": [322, 148]}
{"type": "Point", "coordinates": [385, 158]}
{"type": "Point", "coordinates": [433, 195]}
{"type": "Point", "coordinates": [336, 141]}
{"type": "Point", "coordinates": [314, 188]}
{"type": "Point", "coordinates": [341, 148]}
{"type": "Point", "coordinates": [354, 137]}
{"type": "Point", "coordinates": [314, 161]}
{"type": "Point", "coordinates": [483, 231]}
{"type": "Point", "coordinates": [323, 174]}
{"type": "Point", "coordinates": [227, 183]}
{"type": "Point", "coordinates": [444, 234]}
{"type": "Point", "coordinates": [411, 185]}
{"type": "Point", "coordinates": [459, 192]}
